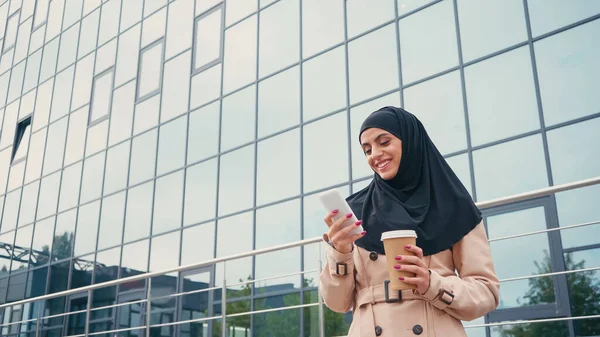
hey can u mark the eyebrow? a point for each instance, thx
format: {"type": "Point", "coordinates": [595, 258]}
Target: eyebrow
{"type": "Point", "coordinates": [376, 138]}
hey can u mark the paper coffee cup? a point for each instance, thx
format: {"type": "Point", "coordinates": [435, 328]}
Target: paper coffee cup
{"type": "Point", "coordinates": [394, 243]}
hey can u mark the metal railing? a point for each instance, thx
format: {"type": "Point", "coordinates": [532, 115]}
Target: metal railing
{"type": "Point", "coordinates": [223, 317]}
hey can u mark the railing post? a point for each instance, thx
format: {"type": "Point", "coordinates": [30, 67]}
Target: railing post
{"type": "Point", "coordinates": [88, 312]}
{"type": "Point", "coordinates": [224, 302]}
{"type": "Point", "coordinates": [321, 311]}
{"type": "Point", "coordinates": [148, 307]}
{"type": "Point", "coordinates": [37, 321]}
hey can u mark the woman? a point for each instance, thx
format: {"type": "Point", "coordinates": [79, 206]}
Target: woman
{"type": "Point", "coordinates": [413, 188]}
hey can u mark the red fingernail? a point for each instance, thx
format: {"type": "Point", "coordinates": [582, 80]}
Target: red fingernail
{"type": "Point", "coordinates": [359, 222]}
{"type": "Point", "coordinates": [407, 247]}
{"type": "Point", "coordinates": [363, 233]}
{"type": "Point", "coordinates": [397, 266]}
{"type": "Point", "coordinates": [349, 215]}
{"type": "Point", "coordinates": [335, 211]}
{"type": "Point", "coordinates": [401, 278]}
{"type": "Point", "coordinates": [398, 258]}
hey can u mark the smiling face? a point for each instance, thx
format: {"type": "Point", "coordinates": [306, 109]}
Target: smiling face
{"type": "Point", "coordinates": [383, 152]}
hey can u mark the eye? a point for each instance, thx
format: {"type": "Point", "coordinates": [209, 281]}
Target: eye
{"type": "Point", "coordinates": [367, 152]}
{"type": "Point", "coordinates": [385, 142]}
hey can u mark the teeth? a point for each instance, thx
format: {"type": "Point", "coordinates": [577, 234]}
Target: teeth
{"type": "Point", "coordinates": [383, 164]}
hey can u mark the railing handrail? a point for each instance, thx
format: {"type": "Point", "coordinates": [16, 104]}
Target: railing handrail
{"type": "Point", "coordinates": [482, 205]}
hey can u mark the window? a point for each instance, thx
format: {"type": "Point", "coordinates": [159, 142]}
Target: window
{"type": "Point", "coordinates": [10, 33]}
{"type": "Point", "coordinates": [21, 140]}
{"type": "Point", "coordinates": [102, 91]}
{"type": "Point", "coordinates": [150, 70]}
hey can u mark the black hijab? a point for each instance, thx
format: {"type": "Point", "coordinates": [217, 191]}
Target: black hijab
{"type": "Point", "coordinates": [425, 195]}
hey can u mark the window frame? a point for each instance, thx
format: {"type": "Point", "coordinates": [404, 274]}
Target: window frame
{"type": "Point", "coordinates": [92, 122]}
{"type": "Point", "coordinates": [219, 59]}
{"type": "Point", "coordinates": [20, 130]}
{"type": "Point", "coordinates": [159, 42]}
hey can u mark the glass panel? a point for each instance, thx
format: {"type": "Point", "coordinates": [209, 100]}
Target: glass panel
{"type": "Point", "coordinates": [278, 224]}
{"type": "Point", "coordinates": [206, 86]}
{"type": "Point", "coordinates": [89, 33]}
{"type": "Point", "coordinates": [179, 27]}
{"type": "Point", "coordinates": [121, 118]}
{"type": "Point", "coordinates": [131, 13]}
{"type": "Point", "coordinates": [61, 98]}
{"type": "Point", "coordinates": [325, 159]}
{"type": "Point", "coordinates": [134, 259]}
{"type": "Point", "coordinates": [28, 203]}
{"type": "Point", "coordinates": [531, 251]}
{"type": "Point", "coordinates": [234, 235]}
{"type": "Point", "coordinates": [42, 241]}
{"type": "Point", "coordinates": [483, 31]}
{"type": "Point", "coordinates": [583, 290]}
{"type": "Point", "coordinates": [106, 57]}
{"type": "Point", "coordinates": [41, 11]}
{"type": "Point", "coordinates": [373, 63]}
{"type": "Point", "coordinates": [139, 212]}
{"type": "Point", "coordinates": [96, 138]}
{"type": "Point", "coordinates": [10, 34]}
{"type": "Point", "coordinates": [572, 157]}
{"type": "Point", "coordinates": [236, 181]}
{"type": "Point", "coordinates": [322, 25]}
{"type": "Point", "coordinates": [117, 164]}
{"type": "Point", "coordinates": [55, 16]}
{"type": "Point", "coordinates": [238, 9]}
{"type": "Point", "coordinates": [278, 172]}
{"type": "Point", "coordinates": [548, 15]}
{"type": "Point", "coordinates": [363, 16]}
{"type": "Point", "coordinates": [146, 115]}
{"type": "Point", "coordinates": [102, 95]}
{"type": "Point", "coordinates": [42, 105]}
{"type": "Point", "coordinates": [72, 12]}
{"type": "Point", "coordinates": [274, 93]}
{"type": "Point", "coordinates": [439, 105]}
{"type": "Point", "coordinates": [76, 137]}
{"type": "Point", "coordinates": [207, 37]}
{"type": "Point", "coordinates": [62, 247]}
{"type": "Point", "coordinates": [10, 120]}
{"type": "Point", "coordinates": [200, 192]}
{"type": "Point", "coordinates": [324, 84]}
{"type": "Point", "coordinates": [168, 198]}
{"type": "Point", "coordinates": [5, 260]}
{"type": "Point", "coordinates": [22, 250]}
{"type": "Point", "coordinates": [87, 228]}
{"type": "Point", "coordinates": [16, 81]}
{"type": "Point", "coordinates": [238, 118]}
{"type": "Point", "coordinates": [109, 23]}
{"type": "Point", "coordinates": [32, 72]}
{"type": "Point", "coordinates": [164, 252]}
{"type": "Point", "coordinates": [240, 54]}
{"type": "Point", "coordinates": [313, 219]}
{"type": "Point", "coordinates": [489, 117]}
{"type": "Point", "coordinates": [83, 81]}
{"type": "Point", "coordinates": [128, 52]}
{"type": "Point", "coordinates": [154, 26]}
{"type": "Point", "coordinates": [529, 174]}
{"type": "Point", "coordinates": [111, 221]}
{"type": "Point", "coordinates": [568, 73]}
{"type": "Point", "coordinates": [279, 36]}
{"type": "Point", "coordinates": [406, 6]}
{"type": "Point", "coordinates": [460, 165]}
{"type": "Point", "coordinates": [537, 329]}
{"type": "Point", "coordinates": [48, 198]}
{"type": "Point", "coordinates": [428, 42]}
{"type": "Point", "coordinates": [149, 77]}
{"type": "Point", "coordinates": [93, 173]}
{"type": "Point", "coordinates": [69, 189]}
{"type": "Point", "coordinates": [107, 267]}
{"type": "Point", "coordinates": [23, 145]}
{"type": "Point", "coordinates": [171, 145]}
{"type": "Point", "coordinates": [143, 157]}
{"type": "Point", "coordinates": [67, 54]}
{"type": "Point", "coordinates": [191, 252]}
{"type": "Point", "coordinates": [196, 305]}
{"type": "Point", "coordinates": [55, 146]}
{"type": "Point", "coordinates": [203, 135]}
{"type": "Point", "coordinates": [176, 89]}
{"type": "Point", "coordinates": [576, 207]}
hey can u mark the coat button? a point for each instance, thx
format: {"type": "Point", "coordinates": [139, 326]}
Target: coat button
{"type": "Point", "coordinates": [417, 329]}
{"type": "Point", "coordinates": [373, 256]}
{"type": "Point", "coordinates": [378, 331]}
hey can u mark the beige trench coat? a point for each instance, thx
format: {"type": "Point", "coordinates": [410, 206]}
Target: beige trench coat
{"type": "Point", "coordinates": [355, 281]}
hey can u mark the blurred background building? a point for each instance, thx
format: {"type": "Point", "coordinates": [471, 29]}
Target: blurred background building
{"type": "Point", "coordinates": [141, 135]}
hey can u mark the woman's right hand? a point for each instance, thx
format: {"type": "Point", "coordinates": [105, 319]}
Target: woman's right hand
{"type": "Point", "coordinates": [339, 235]}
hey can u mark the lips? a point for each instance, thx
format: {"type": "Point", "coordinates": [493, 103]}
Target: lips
{"type": "Point", "coordinates": [382, 164]}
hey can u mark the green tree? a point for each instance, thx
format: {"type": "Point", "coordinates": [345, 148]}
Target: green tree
{"type": "Point", "coordinates": [584, 292]}
{"type": "Point", "coordinates": [63, 245]}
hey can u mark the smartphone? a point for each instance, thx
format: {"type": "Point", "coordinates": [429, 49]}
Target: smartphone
{"type": "Point", "coordinates": [333, 199]}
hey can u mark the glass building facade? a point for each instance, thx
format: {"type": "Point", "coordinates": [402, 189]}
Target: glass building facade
{"type": "Point", "coordinates": [141, 135]}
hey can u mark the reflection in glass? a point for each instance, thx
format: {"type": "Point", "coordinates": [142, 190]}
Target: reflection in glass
{"type": "Point", "coordinates": [363, 16]}
{"type": "Point", "coordinates": [87, 228]}
{"type": "Point", "coordinates": [43, 238]}
{"type": "Point", "coordinates": [48, 198]}
{"type": "Point", "coordinates": [324, 84]}
{"type": "Point", "coordinates": [322, 25]}
{"type": "Point", "coordinates": [439, 106]}
{"type": "Point", "coordinates": [11, 211]}
{"type": "Point", "coordinates": [191, 252]}
{"type": "Point", "coordinates": [117, 164]}
{"type": "Point", "coordinates": [28, 203]}
{"type": "Point", "coordinates": [81, 271]}
{"type": "Point", "coordinates": [143, 156]}
{"type": "Point", "coordinates": [278, 172]}
{"type": "Point", "coordinates": [207, 38]}
{"type": "Point", "coordinates": [373, 63]}
{"type": "Point", "coordinates": [325, 152]}
{"type": "Point", "coordinates": [149, 77]}
{"type": "Point", "coordinates": [496, 173]}
{"type": "Point", "coordinates": [91, 183]}
{"type": "Point", "coordinates": [76, 136]}
{"type": "Point", "coordinates": [279, 102]}
{"type": "Point", "coordinates": [494, 106]}
{"type": "Point", "coordinates": [22, 254]}
{"type": "Point", "coordinates": [63, 86]}
{"type": "Point", "coordinates": [176, 87]}
{"type": "Point", "coordinates": [278, 224]}
{"type": "Point", "coordinates": [548, 15]}
{"type": "Point", "coordinates": [55, 146]}
{"type": "Point", "coordinates": [200, 192]}
{"type": "Point", "coordinates": [240, 53]}
{"type": "Point", "coordinates": [234, 235]}
{"type": "Point", "coordinates": [69, 189]}
{"type": "Point", "coordinates": [203, 136]}
{"type": "Point", "coordinates": [576, 207]}
{"type": "Point", "coordinates": [62, 247]}
{"type": "Point", "coordinates": [572, 155]}
{"type": "Point", "coordinates": [428, 42]}
{"type": "Point", "coordinates": [236, 180]}
{"type": "Point", "coordinates": [6, 238]}
{"type": "Point", "coordinates": [164, 252]}
{"type": "Point", "coordinates": [168, 196]}
{"type": "Point", "coordinates": [107, 267]}
{"type": "Point", "coordinates": [567, 64]}
{"type": "Point", "coordinates": [279, 36]}
{"type": "Point", "coordinates": [314, 212]}
{"type": "Point", "coordinates": [134, 259]}
{"type": "Point", "coordinates": [102, 95]}
{"type": "Point", "coordinates": [111, 221]}
{"type": "Point", "coordinates": [537, 329]}
{"type": "Point", "coordinates": [139, 212]}
{"type": "Point", "coordinates": [195, 306]}
{"type": "Point", "coordinates": [238, 118]}
{"type": "Point", "coordinates": [483, 31]}
{"type": "Point", "coordinates": [289, 320]}
{"type": "Point", "coordinates": [275, 264]}
{"type": "Point", "coordinates": [83, 81]}
{"type": "Point", "coordinates": [171, 146]}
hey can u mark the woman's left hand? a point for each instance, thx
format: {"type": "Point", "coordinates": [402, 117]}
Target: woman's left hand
{"type": "Point", "coordinates": [416, 265]}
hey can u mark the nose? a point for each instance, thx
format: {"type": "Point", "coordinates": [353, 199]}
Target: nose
{"type": "Point", "coordinates": [376, 151]}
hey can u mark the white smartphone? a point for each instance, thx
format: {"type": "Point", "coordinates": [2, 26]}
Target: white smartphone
{"type": "Point", "coordinates": [332, 200]}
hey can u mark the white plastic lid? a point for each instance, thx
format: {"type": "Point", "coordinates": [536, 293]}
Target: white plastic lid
{"type": "Point", "coordinates": [398, 234]}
